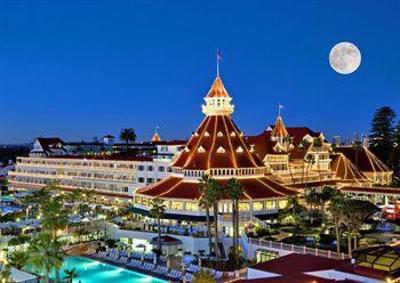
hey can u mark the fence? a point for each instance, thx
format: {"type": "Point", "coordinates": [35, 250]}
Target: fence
{"type": "Point", "coordinates": [297, 249]}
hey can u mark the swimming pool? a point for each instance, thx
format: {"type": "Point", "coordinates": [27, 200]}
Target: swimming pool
{"type": "Point", "coordinates": [93, 271]}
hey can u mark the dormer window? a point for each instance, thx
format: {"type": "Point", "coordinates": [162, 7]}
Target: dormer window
{"type": "Point", "coordinates": [220, 134]}
{"type": "Point", "coordinates": [187, 149]}
{"type": "Point", "coordinates": [239, 149]}
{"type": "Point", "coordinates": [201, 149]}
{"type": "Point", "coordinates": [206, 134]}
{"type": "Point", "coordinates": [221, 150]}
{"type": "Point", "coordinates": [233, 134]}
{"type": "Point", "coordinates": [196, 134]}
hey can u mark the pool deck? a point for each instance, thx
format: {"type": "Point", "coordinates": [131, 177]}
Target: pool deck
{"type": "Point", "coordinates": [141, 271]}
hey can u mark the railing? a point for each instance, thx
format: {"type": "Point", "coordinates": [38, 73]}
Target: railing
{"type": "Point", "coordinates": [297, 249]}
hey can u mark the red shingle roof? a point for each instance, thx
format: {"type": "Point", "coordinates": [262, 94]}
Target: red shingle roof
{"type": "Point", "coordinates": [363, 158]}
{"type": "Point", "coordinates": [179, 188]}
{"type": "Point", "coordinates": [203, 151]}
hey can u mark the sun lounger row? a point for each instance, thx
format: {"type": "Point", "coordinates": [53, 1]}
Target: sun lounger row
{"type": "Point", "coordinates": [193, 268]}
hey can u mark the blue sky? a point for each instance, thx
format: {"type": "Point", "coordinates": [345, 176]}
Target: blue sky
{"type": "Point", "coordinates": [80, 69]}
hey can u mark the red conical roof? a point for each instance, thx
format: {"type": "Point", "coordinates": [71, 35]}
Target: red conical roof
{"type": "Point", "coordinates": [217, 89]}
{"type": "Point", "coordinates": [217, 143]}
{"type": "Point", "coordinates": [279, 130]}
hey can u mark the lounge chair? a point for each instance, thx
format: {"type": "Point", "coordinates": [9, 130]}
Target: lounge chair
{"type": "Point", "coordinates": [175, 274]}
{"type": "Point", "coordinates": [218, 274]}
{"type": "Point", "coordinates": [188, 277]}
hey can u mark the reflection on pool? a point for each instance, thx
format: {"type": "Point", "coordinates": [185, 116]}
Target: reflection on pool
{"type": "Point", "coordinates": [93, 271]}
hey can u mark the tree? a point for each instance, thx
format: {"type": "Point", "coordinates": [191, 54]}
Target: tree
{"type": "Point", "coordinates": [18, 258]}
{"type": "Point", "coordinates": [46, 254]}
{"type": "Point", "coordinates": [313, 201]}
{"type": "Point", "coordinates": [235, 191]}
{"type": "Point", "coordinates": [127, 135]}
{"type": "Point", "coordinates": [157, 211]}
{"type": "Point", "coordinates": [310, 161]}
{"type": "Point", "coordinates": [54, 215]}
{"type": "Point", "coordinates": [216, 192]}
{"type": "Point", "coordinates": [357, 212]}
{"type": "Point", "coordinates": [288, 144]}
{"type": "Point", "coordinates": [71, 274]}
{"type": "Point", "coordinates": [382, 132]}
{"type": "Point", "coordinates": [5, 274]}
{"type": "Point", "coordinates": [206, 203]}
{"type": "Point", "coordinates": [337, 209]}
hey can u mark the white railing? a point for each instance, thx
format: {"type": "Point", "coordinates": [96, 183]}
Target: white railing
{"type": "Point", "coordinates": [297, 249]}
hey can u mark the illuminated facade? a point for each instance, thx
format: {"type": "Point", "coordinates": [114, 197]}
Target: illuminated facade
{"type": "Point", "coordinates": [220, 150]}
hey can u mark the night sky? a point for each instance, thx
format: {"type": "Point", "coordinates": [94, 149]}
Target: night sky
{"type": "Point", "coordinates": [80, 69]}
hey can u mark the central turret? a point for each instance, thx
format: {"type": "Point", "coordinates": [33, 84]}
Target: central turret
{"type": "Point", "coordinates": [218, 101]}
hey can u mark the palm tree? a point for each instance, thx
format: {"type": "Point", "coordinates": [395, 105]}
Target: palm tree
{"type": "Point", "coordinates": [235, 191]}
{"type": "Point", "coordinates": [313, 201]}
{"type": "Point", "coordinates": [70, 274]}
{"type": "Point", "coordinates": [54, 215]}
{"type": "Point", "coordinates": [303, 146]}
{"type": "Point", "coordinates": [157, 211]}
{"type": "Point", "coordinates": [18, 259]}
{"type": "Point", "coordinates": [288, 142]}
{"type": "Point", "coordinates": [310, 161]}
{"type": "Point", "coordinates": [127, 135]}
{"type": "Point", "coordinates": [216, 192]}
{"type": "Point", "coordinates": [206, 203]}
{"type": "Point", "coordinates": [317, 144]}
{"type": "Point", "coordinates": [337, 208]}
{"type": "Point", "coordinates": [46, 254]}
{"type": "Point", "coordinates": [357, 145]}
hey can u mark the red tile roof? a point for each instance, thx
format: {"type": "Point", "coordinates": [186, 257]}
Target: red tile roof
{"type": "Point", "coordinates": [363, 158]}
{"type": "Point", "coordinates": [215, 133]}
{"type": "Point", "coordinates": [217, 89]}
{"type": "Point", "coordinates": [179, 188]}
{"type": "Point", "coordinates": [293, 266]}
{"type": "Point", "coordinates": [345, 170]}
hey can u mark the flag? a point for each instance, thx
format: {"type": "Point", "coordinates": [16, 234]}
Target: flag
{"type": "Point", "coordinates": [219, 55]}
{"type": "Point", "coordinates": [280, 106]}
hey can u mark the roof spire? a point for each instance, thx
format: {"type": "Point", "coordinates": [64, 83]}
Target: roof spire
{"type": "Point", "coordinates": [156, 136]}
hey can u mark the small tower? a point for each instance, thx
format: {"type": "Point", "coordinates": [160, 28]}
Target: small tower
{"type": "Point", "coordinates": [218, 101]}
{"type": "Point", "coordinates": [279, 132]}
{"type": "Point", "coordinates": [156, 136]}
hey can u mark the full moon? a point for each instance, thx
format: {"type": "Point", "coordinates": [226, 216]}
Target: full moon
{"type": "Point", "coordinates": [345, 58]}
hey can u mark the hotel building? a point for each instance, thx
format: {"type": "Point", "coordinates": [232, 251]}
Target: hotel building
{"type": "Point", "coordinates": [111, 176]}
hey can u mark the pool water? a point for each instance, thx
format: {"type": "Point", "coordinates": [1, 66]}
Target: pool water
{"type": "Point", "coordinates": [93, 271]}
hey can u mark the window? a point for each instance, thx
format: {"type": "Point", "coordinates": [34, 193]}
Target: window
{"type": "Point", "coordinates": [191, 206]}
{"type": "Point", "coordinates": [161, 168]}
{"type": "Point", "coordinates": [150, 180]}
{"type": "Point", "coordinates": [244, 206]}
{"type": "Point", "coordinates": [126, 189]}
{"type": "Point", "coordinates": [257, 206]}
{"type": "Point", "coordinates": [141, 180]}
{"type": "Point", "coordinates": [140, 167]}
{"type": "Point", "coordinates": [177, 205]}
{"type": "Point", "coordinates": [150, 168]}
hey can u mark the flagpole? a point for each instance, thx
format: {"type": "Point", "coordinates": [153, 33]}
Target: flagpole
{"type": "Point", "coordinates": [217, 65]}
